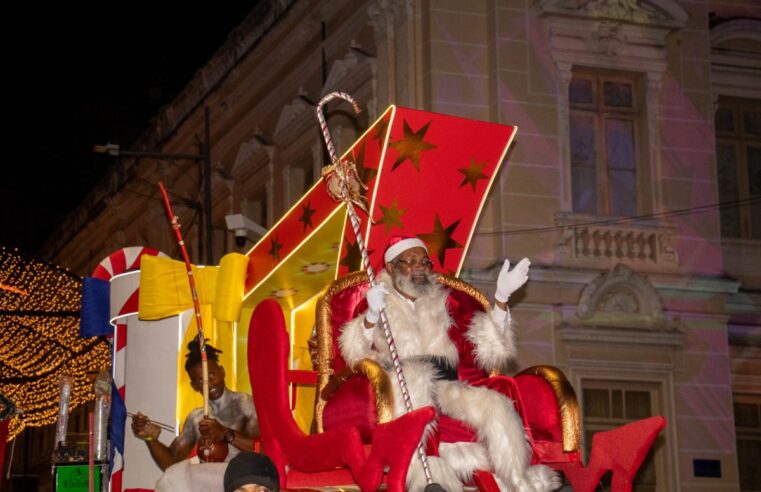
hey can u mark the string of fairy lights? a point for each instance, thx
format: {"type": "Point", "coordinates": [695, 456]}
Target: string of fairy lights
{"type": "Point", "coordinates": [39, 339]}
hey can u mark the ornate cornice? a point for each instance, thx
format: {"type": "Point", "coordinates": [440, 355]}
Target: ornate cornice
{"type": "Point", "coordinates": [350, 72]}
{"type": "Point", "coordinates": [736, 72]}
{"type": "Point", "coordinates": [664, 12]}
{"type": "Point", "coordinates": [386, 13]}
{"type": "Point", "coordinates": [295, 119]}
{"type": "Point", "coordinates": [614, 34]}
{"type": "Point", "coordinates": [621, 297]}
{"type": "Point", "coordinates": [249, 149]}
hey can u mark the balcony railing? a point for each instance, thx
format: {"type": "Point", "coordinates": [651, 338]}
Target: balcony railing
{"type": "Point", "coordinates": [589, 240]}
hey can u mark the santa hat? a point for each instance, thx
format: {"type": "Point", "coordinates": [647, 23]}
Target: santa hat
{"type": "Point", "coordinates": [399, 244]}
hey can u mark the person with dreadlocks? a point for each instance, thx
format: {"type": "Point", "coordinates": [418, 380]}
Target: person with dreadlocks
{"type": "Point", "coordinates": [232, 420]}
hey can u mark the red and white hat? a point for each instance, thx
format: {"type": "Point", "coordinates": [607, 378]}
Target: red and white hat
{"type": "Point", "coordinates": [399, 244]}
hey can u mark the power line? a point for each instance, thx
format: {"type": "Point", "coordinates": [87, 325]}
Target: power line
{"type": "Point", "coordinates": [632, 218]}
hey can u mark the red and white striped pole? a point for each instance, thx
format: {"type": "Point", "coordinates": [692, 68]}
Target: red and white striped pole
{"type": "Point", "coordinates": [344, 172]}
{"type": "Point", "coordinates": [196, 305]}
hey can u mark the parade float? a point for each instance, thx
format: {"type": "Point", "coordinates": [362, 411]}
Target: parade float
{"type": "Point", "coordinates": [412, 172]}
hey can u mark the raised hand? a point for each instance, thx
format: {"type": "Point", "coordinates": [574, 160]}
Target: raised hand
{"type": "Point", "coordinates": [511, 280]}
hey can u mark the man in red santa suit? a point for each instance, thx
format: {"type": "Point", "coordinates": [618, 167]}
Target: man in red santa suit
{"type": "Point", "coordinates": [419, 311]}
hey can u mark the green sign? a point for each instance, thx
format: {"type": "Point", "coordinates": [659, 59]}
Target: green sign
{"type": "Point", "coordinates": [74, 478]}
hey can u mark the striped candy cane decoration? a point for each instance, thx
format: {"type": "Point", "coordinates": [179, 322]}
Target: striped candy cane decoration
{"type": "Point", "coordinates": [343, 174]}
{"type": "Point", "coordinates": [121, 261]}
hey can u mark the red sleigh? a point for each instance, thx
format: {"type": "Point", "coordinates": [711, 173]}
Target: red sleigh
{"type": "Point", "coordinates": [356, 438]}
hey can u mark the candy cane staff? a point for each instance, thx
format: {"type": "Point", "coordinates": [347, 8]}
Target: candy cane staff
{"type": "Point", "coordinates": [343, 184]}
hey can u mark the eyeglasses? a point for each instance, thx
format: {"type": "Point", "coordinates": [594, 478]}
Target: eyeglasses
{"type": "Point", "coordinates": [424, 262]}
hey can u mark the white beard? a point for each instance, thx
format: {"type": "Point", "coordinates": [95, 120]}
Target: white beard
{"type": "Point", "coordinates": [409, 286]}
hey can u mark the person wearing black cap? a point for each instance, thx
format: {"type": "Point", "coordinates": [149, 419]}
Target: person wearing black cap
{"type": "Point", "coordinates": [251, 472]}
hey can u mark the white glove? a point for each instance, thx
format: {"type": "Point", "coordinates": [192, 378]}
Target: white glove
{"type": "Point", "coordinates": [511, 280]}
{"type": "Point", "coordinates": [376, 301]}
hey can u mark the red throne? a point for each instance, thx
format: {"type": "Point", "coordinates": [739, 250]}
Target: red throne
{"type": "Point", "coordinates": [356, 437]}
{"type": "Point", "coordinates": [337, 457]}
{"type": "Point", "coordinates": [360, 396]}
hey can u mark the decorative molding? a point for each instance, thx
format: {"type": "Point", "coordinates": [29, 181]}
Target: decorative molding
{"type": "Point", "coordinates": [291, 112]}
{"type": "Point", "coordinates": [736, 72]}
{"type": "Point", "coordinates": [606, 349]}
{"type": "Point", "coordinates": [384, 14]}
{"type": "Point", "coordinates": [619, 314]}
{"type": "Point", "coordinates": [613, 34]}
{"type": "Point", "coordinates": [351, 72]}
{"type": "Point", "coordinates": [732, 30]}
{"type": "Point", "coordinates": [387, 18]}
{"type": "Point", "coordinates": [621, 297]}
{"type": "Point", "coordinates": [587, 335]}
{"type": "Point", "coordinates": [610, 37]}
{"type": "Point", "coordinates": [634, 11]}
{"type": "Point", "coordinates": [249, 149]}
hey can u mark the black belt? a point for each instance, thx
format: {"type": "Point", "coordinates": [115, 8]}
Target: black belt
{"type": "Point", "coordinates": [444, 370]}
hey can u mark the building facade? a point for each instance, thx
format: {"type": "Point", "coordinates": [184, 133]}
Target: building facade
{"type": "Point", "coordinates": [633, 184]}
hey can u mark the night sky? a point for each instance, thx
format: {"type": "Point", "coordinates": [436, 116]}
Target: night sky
{"type": "Point", "coordinates": [83, 76]}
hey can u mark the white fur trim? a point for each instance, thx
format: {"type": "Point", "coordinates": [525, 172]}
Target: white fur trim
{"type": "Point", "coordinates": [465, 458]}
{"type": "Point", "coordinates": [499, 428]}
{"type": "Point", "coordinates": [402, 246]}
{"type": "Point", "coordinates": [354, 343]}
{"type": "Point", "coordinates": [494, 345]}
{"type": "Point", "coordinates": [544, 478]}
{"type": "Point", "coordinates": [421, 384]}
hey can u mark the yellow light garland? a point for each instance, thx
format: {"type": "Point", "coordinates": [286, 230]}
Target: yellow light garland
{"type": "Point", "coordinates": [39, 339]}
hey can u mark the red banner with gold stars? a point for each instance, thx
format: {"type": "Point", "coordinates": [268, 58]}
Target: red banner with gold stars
{"type": "Point", "coordinates": [427, 176]}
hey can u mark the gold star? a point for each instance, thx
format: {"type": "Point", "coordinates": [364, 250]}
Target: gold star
{"type": "Point", "coordinates": [381, 128]}
{"type": "Point", "coordinates": [353, 258]}
{"type": "Point", "coordinates": [440, 239]}
{"type": "Point", "coordinates": [275, 247]}
{"type": "Point", "coordinates": [366, 174]}
{"type": "Point", "coordinates": [392, 216]}
{"type": "Point", "coordinates": [411, 146]}
{"type": "Point", "coordinates": [473, 173]}
{"type": "Point", "coordinates": [306, 215]}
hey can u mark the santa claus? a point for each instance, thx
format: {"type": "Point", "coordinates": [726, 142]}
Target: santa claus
{"type": "Point", "coordinates": [420, 312]}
